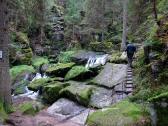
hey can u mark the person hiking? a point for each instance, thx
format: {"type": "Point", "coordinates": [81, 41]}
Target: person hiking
{"type": "Point", "coordinates": [130, 50]}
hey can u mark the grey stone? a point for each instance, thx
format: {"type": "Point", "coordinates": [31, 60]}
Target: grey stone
{"type": "Point", "coordinates": [111, 75]}
{"type": "Point", "coordinates": [65, 109]}
{"type": "Point", "coordinates": [101, 98]}
{"type": "Point", "coordinates": [82, 56]}
{"type": "Point", "coordinates": [81, 119]}
{"type": "Point", "coordinates": [118, 97]}
{"type": "Point", "coordinates": [119, 88]}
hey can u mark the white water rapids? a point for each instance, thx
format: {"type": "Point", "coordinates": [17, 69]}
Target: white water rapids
{"type": "Point", "coordinates": [97, 61]}
{"type": "Point", "coordinates": [31, 94]}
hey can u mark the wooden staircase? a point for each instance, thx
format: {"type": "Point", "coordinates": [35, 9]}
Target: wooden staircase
{"type": "Point", "coordinates": [129, 81]}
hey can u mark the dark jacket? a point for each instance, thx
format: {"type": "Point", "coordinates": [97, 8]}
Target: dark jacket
{"type": "Point", "coordinates": [131, 49]}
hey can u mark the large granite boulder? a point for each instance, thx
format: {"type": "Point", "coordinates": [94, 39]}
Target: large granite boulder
{"type": "Point", "coordinates": [123, 113]}
{"type": "Point", "coordinates": [79, 92]}
{"type": "Point", "coordinates": [40, 83]}
{"type": "Point", "coordinates": [82, 56]}
{"type": "Point", "coordinates": [111, 75]}
{"type": "Point", "coordinates": [78, 72]}
{"type": "Point", "coordinates": [65, 109]}
{"type": "Point", "coordinates": [51, 92]}
{"type": "Point", "coordinates": [36, 84]}
{"type": "Point", "coordinates": [59, 69]}
{"type": "Point", "coordinates": [101, 98]}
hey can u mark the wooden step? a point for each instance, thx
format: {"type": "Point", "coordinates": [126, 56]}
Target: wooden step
{"type": "Point", "coordinates": [129, 75]}
{"type": "Point", "coordinates": [129, 78]}
{"type": "Point", "coordinates": [129, 86]}
{"type": "Point", "coordinates": [129, 82]}
{"type": "Point", "coordinates": [129, 90]}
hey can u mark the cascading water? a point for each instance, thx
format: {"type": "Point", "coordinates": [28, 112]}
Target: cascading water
{"type": "Point", "coordinates": [31, 94]}
{"type": "Point", "coordinates": [97, 61]}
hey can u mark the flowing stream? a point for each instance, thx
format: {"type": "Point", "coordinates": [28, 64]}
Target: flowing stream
{"type": "Point", "coordinates": [97, 61]}
{"type": "Point", "coordinates": [28, 93]}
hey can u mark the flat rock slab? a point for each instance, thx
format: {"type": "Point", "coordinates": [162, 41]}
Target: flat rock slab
{"type": "Point", "coordinates": [101, 98]}
{"type": "Point", "coordinates": [81, 119]}
{"type": "Point", "coordinates": [111, 75]}
{"type": "Point", "coordinates": [65, 109]}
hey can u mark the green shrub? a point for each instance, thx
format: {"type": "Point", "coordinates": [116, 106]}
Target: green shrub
{"type": "Point", "coordinates": [3, 114]}
{"type": "Point", "coordinates": [65, 57]}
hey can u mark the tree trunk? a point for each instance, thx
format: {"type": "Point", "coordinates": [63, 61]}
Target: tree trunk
{"type": "Point", "coordinates": [155, 13]}
{"type": "Point", "coordinates": [5, 88]}
{"type": "Point", "coordinates": [123, 44]}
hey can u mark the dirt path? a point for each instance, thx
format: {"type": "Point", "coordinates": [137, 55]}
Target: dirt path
{"type": "Point", "coordinates": [41, 119]}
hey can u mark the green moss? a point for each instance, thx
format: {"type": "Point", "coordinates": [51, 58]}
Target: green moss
{"type": "Point", "coordinates": [22, 38]}
{"type": "Point", "coordinates": [78, 92]}
{"type": "Point", "coordinates": [20, 88]}
{"type": "Point", "coordinates": [51, 91]}
{"type": "Point", "coordinates": [34, 85]}
{"type": "Point", "coordinates": [65, 57]}
{"type": "Point", "coordinates": [28, 55]}
{"type": "Point", "coordinates": [17, 70]}
{"type": "Point", "coordinates": [75, 72]}
{"type": "Point", "coordinates": [115, 58]}
{"type": "Point", "coordinates": [37, 61]}
{"type": "Point", "coordinates": [27, 50]}
{"type": "Point", "coordinates": [123, 113]}
{"type": "Point", "coordinates": [85, 95]}
{"type": "Point", "coordinates": [3, 114]}
{"type": "Point", "coordinates": [59, 69]}
{"type": "Point", "coordinates": [30, 108]}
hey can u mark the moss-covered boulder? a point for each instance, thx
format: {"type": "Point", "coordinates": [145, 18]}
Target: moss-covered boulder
{"type": "Point", "coordinates": [22, 52]}
{"type": "Point", "coordinates": [20, 76]}
{"type": "Point", "coordinates": [38, 61]}
{"type": "Point", "coordinates": [19, 88]}
{"type": "Point", "coordinates": [17, 71]}
{"type": "Point", "coordinates": [36, 84]}
{"type": "Point", "coordinates": [51, 92]}
{"type": "Point", "coordinates": [77, 72]}
{"type": "Point", "coordinates": [40, 83]}
{"type": "Point", "coordinates": [59, 69]}
{"type": "Point", "coordinates": [123, 113]}
{"type": "Point", "coordinates": [30, 108]}
{"type": "Point", "coordinates": [78, 92]}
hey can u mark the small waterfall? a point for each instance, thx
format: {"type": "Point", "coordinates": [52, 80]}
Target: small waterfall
{"type": "Point", "coordinates": [97, 61]}
{"type": "Point", "coordinates": [31, 94]}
